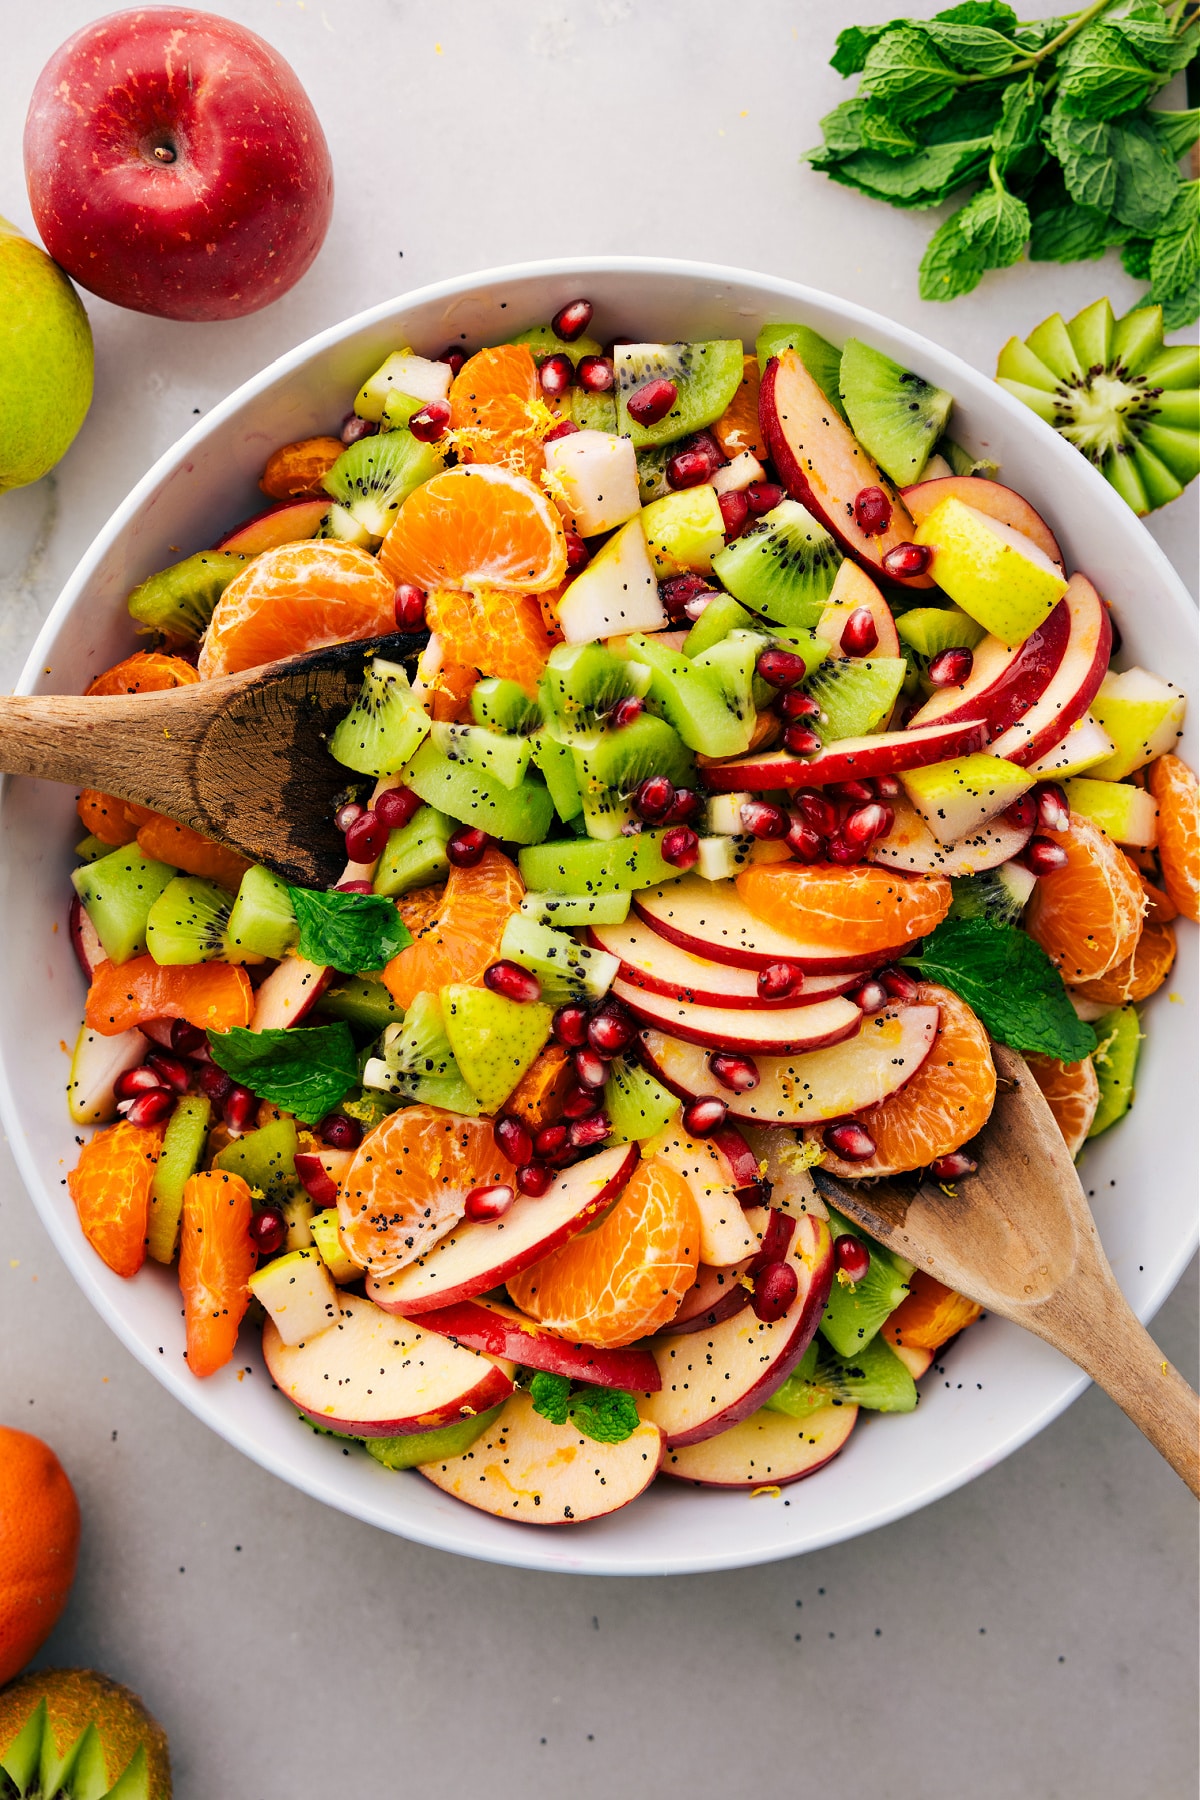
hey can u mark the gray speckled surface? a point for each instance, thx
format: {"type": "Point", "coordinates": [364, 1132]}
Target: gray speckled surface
{"type": "Point", "coordinates": [1032, 1636]}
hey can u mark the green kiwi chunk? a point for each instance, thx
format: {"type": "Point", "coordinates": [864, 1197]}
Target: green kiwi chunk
{"type": "Point", "coordinates": [497, 753]}
{"type": "Point", "coordinates": [637, 1105]}
{"type": "Point", "coordinates": [581, 683]}
{"type": "Point", "coordinates": [931, 629]}
{"type": "Point", "coordinates": [553, 756]}
{"type": "Point", "coordinates": [874, 1378]}
{"type": "Point", "coordinates": [361, 1001]}
{"type": "Point", "coordinates": [610, 763]}
{"type": "Point", "coordinates": [266, 1161]}
{"type": "Point", "coordinates": [504, 705]}
{"type": "Point", "coordinates": [587, 866]}
{"type": "Point", "coordinates": [706, 376]}
{"type": "Point", "coordinates": [188, 921]}
{"type": "Point", "coordinates": [821, 358]}
{"type": "Point", "coordinates": [566, 969]}
{"type": "Point", "coordinates": [519, 815]}
{"type": "Point", "coordinates": [431, 1446]}
{"type": "Point", "coordinates": [262, 921]}
{"type": "Point", "coordinates": [182, 1147]}
{"type": "Point", "coordinates": [1115, 1058]}
{"type": "Point", "coordinates": [706, 698]}
{"type": "Point", "coordinates": [577, 909]}
{"type": "Point", "coordinates": [593, 412]}
{"type": "Point", "coordinates": [418, 1062]}
{"type": "Point", "coordinates": [1000, 894]}
{"type": "Point", "coordinates": [783, 568]}
{"type": "Point", "coordinates": [856, 1310]}
{"type": "Point", "coordinates": [415, 854]}
{"type": "Point", "coordinates": [179, 601]}
{"type": "Point", "coordinates": [117, 892]}
{"type": "Point", "coordinates": [652, 472]}
{"type": "Point", "coordinates": [895, 414]}
{"type": "Point", "coordinates": [545, 342]}
{"type": "Point", "coordinates": [374, 477]}
{"type": "Point", "coordinates": [856, 697]}
{"type": "Point", "coordinates": [963, 463]}
{"type": "Point", "coordinates": [91, 848]}
{"type": "Point", "coordinates": [384, 726]}
{"type": "Point", "coordinates": [341, 527]}
{"type": "Point", "coordinates": [722, 615]}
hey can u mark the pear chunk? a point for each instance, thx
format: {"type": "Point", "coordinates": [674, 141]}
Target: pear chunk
{"type": "Point", "coordinates": [958, 798]}
{"type": "Point", "coordinates": [997, 575]}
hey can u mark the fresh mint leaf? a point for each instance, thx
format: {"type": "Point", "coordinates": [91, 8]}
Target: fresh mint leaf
{"type": "Point", "coordinates": [1010, 983]}
{"type": "Point", "coordinates": [924, 179]}
{"type": "Point", "coordinates": [348, 932]}
{"type": "Point", "coordinates": [1135, 258]}
{"type": "Point", "coordinates": [887, 136]}
{"type": "Point", "coordinates": [1179, 312]}
{"type": "Point", "coordinates": [305, 1070]}
{"type": "Point", "coordinates": [992, 13]}
{"type": "Point", "coordinates": [852, 46]}
{"type": "Point", "coordinates": [1118, 168]}
{"type": "Point", "coordinates": [1084, 148]}
{"type": "Point", "coordinates": [842, 129]}
{"type": "Point", "coordinates": [905, 74]}
{"type": "Point", "coordinates": [606, 1415]}
{"type": "Point", "coordinates": [551, 1395]}
{"type": "Point", "coordinates": [972, 49]}
{"type": "Point", "coordinates": [1177, 131]}
{"type": "Point", "coordinates": [1175, 256]}
{"type": "Point", "coordinates": [1101, 75]}
{"type": "Point", "coordinates": [951, 265]}
{"type": "Point", "coordinates": [1016, 142]}
{"type": "Point", "coordinates": [1060, 231]}
{"type": "Point", "coordinates": [974, 112]}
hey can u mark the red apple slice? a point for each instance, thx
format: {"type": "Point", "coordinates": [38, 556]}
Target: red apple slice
{"type": "Point", "coordinates": [822, 464]}
{"type": "Point", "coordinates": [708, 916]}
{"type": "Point", "coordinates": [85, 939]}
{"type": "Point", "coordinates": [850, 759]}
{"type": "Point", "coordinates": [288, 523]}
{"type": "Point", "coordinates": [288, 994]}
{"type": "Point", "coordinates": [917, 1362]}
{"type": "Point", "coordinates": [714, 1379]}
{"type": "Point", "coordinates": [781, 1033]}
{"type": "Point", "coordinates": [990, 497]}
{"type": "Point", "coordinates": [797, 1090]}
{"type": "Point", "coordinates": [766, 1450]}
{"type": "Point", "coordinates": [321, 1172]}
{"type": "Point", "coordinates": [912, 847]}
{"type": "Point", "coordinates": [475, 1258]}
{"type": "Point", "coordinates": [727, 1233]}
{"type": "Point", "coordinates": [719, 1292]}
{"type": "Point", "coordinates": [745, 1175]}
{"type": "Point", "coordinates": [1073, 686]}
{"type": "Point", "coordinates": [525, 1468]}
{"type": "Point", "coordinates": [502, 1331]}
{"type": "Point", "coordinates": [374, 1375]}
{"type": "Point", "coordinates": [1003, 683]}
{"type": "Point", "coordinates": [852, 589]}
{"type": "Point", "coordinates": [658, 966]}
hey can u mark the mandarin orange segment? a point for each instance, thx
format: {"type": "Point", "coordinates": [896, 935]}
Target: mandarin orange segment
{"type": "Point", "coordinates": [941, 1108]}
{"type": "Point", "coordinates": [216, 1261]}
{"type": "Point", "coordinates": [477, 527]}
{"type": "Point", "coordinates": [1175, 788]}
{"type": "Point", "coordinates": [497, 414]}
{"type": "Point", "coordinates": [294, 598]}
{"type": "Point", "coordinates": [407, 1182]}
{"type": "Point", "coordinates": [449, 692]}
{"type": "Point", "coordinates": [1160, 908]}
{"type": "Point", "coordinates": [213, 996]}
{"type": "Point", "coordinates": [493, 631]}
{"type": "Point", "coordinates": [625, 1278]}
{"type": "Point", "coordinates": [297, 470]}
{"type": "Point", "coordinates": [1137, 975]}
{"type": "Point", "coordinates": [1072, 1092]}
{"type": "Point", "coordinates": [930, 1315]}
{"type": "Point", "coordinates": [1087, 915]}
{"type": "Point", "coordinates": [110, 1185]}
{"type": "Point", "coordinates": [738, 429]}
{"type": "Point", "coordinates": [858, 909]}
{"type": "Point", "coordinates": [463, 937]}
{"type": "Point", "coordinates": [106, 817]}
{"type": "Point", "coordinates": [146, 672]}
{"type": "Point", "coordinates": [164, 840]}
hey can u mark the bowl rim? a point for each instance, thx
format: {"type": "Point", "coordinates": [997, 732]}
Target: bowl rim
{"type": "Point", "coordinates": [521, 1549]}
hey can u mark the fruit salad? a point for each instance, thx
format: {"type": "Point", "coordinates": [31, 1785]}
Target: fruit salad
{"type": "Point", "coordinates": [736, 758]}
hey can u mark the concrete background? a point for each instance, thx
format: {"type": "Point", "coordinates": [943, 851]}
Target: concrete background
{"type": "Point", "coordinates": [1032, 1635]}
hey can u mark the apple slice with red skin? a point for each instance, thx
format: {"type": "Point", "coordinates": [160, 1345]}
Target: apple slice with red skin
{"type": "Point", "coordinates": [745, 1176]}
{"type": "Point", "coordinates": [321, 1172]}
{"type": "Point", "coordinates": [714, 1379]}
{"type": "Point", "coordinates": [474, 1258]}
{"type": "Point", "coordinates": [504, 1332]}
{"type": "Point", "coordinates": [798, 1090]}
{"type": "Point", "coordinates": [911, 847]}
{"type": "Point", "coordinates": [1003, 683]}
{"type": "Point", "coordinates": [851, 759]}
{"type": "Point", "coordinates": [85, 939]}
{"type": "Point", "coordinates": [917, 1362]}
{"type": "Point", "coordinates": [821, 463]}
{"type": "Point", "coordinates": [658, 966]}
{"type": "Point", "coordinates": [1073, 686]}
{"type": "Point", "coordinates": [374, 1375]}
{"type": "Point", "coordinates": [767, 1450]}
{"type": "Point", "coordinates": [289, 523]}
{"type": "Point", "coordinates": [852, 589]}
{"type": "Point", "coordinates": [719, 1291]}
{"type": "Point", "coordinates": [693, 913]}
{"type": "Point", "coordinates": [726, 1231]}
{"type": "Point", "coordinates": [990, 497]}
{"type": "Point", "coordinates": [789, 1031]}
{"type": "Point", "coordinates": [527, 1469]}
{"type": "Point", "coordinates": [288, 994]}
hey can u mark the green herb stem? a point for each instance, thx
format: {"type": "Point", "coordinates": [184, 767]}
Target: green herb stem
{"type": "Point", "coordinates": [1036, 57]}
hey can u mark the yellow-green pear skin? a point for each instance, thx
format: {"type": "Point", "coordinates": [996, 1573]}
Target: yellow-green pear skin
{"type": "Point", "coordinates": [46, 361]}
{"type": "Point", "coordinates": [684, 531]}
{"type": "Point", "coordinates": [1002, 579]}
{"type": "Point", "coordinates": [958, 798]}
{"type": "Point", "coordinates": [1127, 814]}
{"type": "Point", "coordinates": [1142, 714]}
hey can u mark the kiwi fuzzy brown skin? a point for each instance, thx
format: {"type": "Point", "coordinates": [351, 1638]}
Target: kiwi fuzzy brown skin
{"type": "Point", "coordinates": [77, 1698]}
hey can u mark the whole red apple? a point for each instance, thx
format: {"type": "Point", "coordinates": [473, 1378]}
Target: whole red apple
{"type": "Point", "coordinates": [175, 165]}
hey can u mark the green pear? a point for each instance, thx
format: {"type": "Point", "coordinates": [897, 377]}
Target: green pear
{"type": "Point", "coordinates": [1142, 714]}
{"type": "Point", "coordinates": [46, 361]}
{"type": "Point", "coordinates": [1126, 813]}
{"type": "Point", "coordinates": [957, 798]}
{"type": "Point", "coordinates": [997, 575]}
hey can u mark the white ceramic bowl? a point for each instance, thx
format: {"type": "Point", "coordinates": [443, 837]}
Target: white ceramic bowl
{"type": "Point", "coordinates": [1000, 1385]}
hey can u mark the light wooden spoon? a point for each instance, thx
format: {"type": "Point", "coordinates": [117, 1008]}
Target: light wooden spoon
{"type": "Point", "coordinates": [1018, 1237]}
{"type": "Point", "coordinates": [241, 758]}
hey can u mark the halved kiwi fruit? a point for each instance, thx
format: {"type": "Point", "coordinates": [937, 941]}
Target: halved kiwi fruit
{"type": "Point", "coordinates": [188, 921]}
{"type": "Point", "coordinates": [895, 414]}
{"type": "Point", "coordinates": [263, 919]}
{"type": "Point", "coordinates": [179, 601]}
{"type": "Point", "coordinates": [374, 477]}
{"type": "Point", "coordinates": [1109, 386]}
{"type": "Point", "coordinates": [706, 374]}
{"type": "Point", "coordinates": [783, 568]}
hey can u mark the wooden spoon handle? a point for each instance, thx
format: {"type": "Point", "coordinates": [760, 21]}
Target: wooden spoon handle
{"type": "Point", "coordinates": [137, 745]}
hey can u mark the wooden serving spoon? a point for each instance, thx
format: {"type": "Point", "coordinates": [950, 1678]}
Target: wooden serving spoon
{"type": "Point", "coordinates": [1018, 1238]}
{"type": "Point", "coordinates": [241, 758]}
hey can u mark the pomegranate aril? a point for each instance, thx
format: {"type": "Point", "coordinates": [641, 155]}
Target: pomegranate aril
{"type": "Point", "coordinates": [763, 819]}
{"type": "Point", "coordinates": [804, 842]}
{"type": "Point", "coordinates": [349, 814]}
{"type": "Point", "coordinates": [609, 1032]}
{"type": "Point", "coordinates": [763, 497]}
{"type": "Point", "coordinates": [953, 1166]}
{"type": "Point", "coordinates": [851, 1257]}
{"type": "Point", "coordinates": [564, 428]}
{"type": "Point", "coordinates": [652, 401]}
{"type": "Point", "coordinates": [653, 798]}
{"type": "Point", "coordinates": [429, 422]}
{"type": "Point", "coordinates": [572, 320]}
{"type": "Point", "coordinates": [580, 1102]}
{"type": "Point", "coordinates": [569, 1026]}
{"type": "Point", "coordinates": [583, 1133]}
{"type": "Point", "coordinates": [849, 1141]}
{"type": "Point", "coordinates": [676, 592]}
{"type": "Point", "coordinates": [591, 1069]}
{"type": "Point", "coordinates": [1053, 812]}
{"type": "Point", "coordinates": [133, 1082]}
{"type": "Point", "coordinates": [556, 375]}
{"type": "Point", "coordinates": [780, 980]}
{"type": "Point", "coordinates": [700, 1117]}
{"type": "Point", "coordinates": [366, 838]}
{"type": "Point", "coordinates": [775, 1288]}
{"type": "Point", "coordinates": [171, 1073]}
{"type": "Point", "coordinates": [843, 851]}
{"type": "Point", "coordinates": [737, 1073]}
{"type": "Point", "coordinates": [186, 1038]}
{"type": "Point", "coordinates": [682, 807]}
{"type": "Point", "coordinates": [872, 511]}
{"type": "Point", "coordinates": [396, 806]}
{"type": "Point", "coordinates": [860, 792]}
{"type": "Point", "coordinates": [887, 787]}
{"type": "Point", "coordinates": [484, 1204]}
{"type": "Point", "coordinates": [410, 606]}
{"type": "Point", "coordinates": [513, 1137]}
{"type": "Point", "coordinates": [868, 823]}
{"type": "Point", "coordinates": [534, 1179]}
{"type": "Point", "coordinates": [735, 513]}
{"type": "Point", "coordinates": [454, 356]}
{"type": "Point", "coordinates": [239, 1109]}
{"type": "Point", "coordinates": [680, 847]}
{"type": "Point", "coordinates": [550, 1141]}
{"type": "Point", "coordinates": [578, 554]}
{"type": "Point", "coordinates": [687, 469]}
{"type": "Point", "coordinates": [781, 668]}
{"type": "Point", "coordinates": [860, 633]}
{"type": "Point", "coordinates": [1022, 815]}
{"type": "Point", "coordinates": [267, 1230]}
{"type": "Point", "coordinates": [354, 887]}
{"type": "Point", "coordinates": [698, 605]}
{"type": "Point", "coordinates": [801, 741]}
{"type": "Point", "coordinates": [595, 374]}
{"type": "Point", "coordinates": [907, 560]}
{"type": "Point", "coordinates": [626, 710]}
{"type": "Point", "coordinates": [354, 428]}
{"type": "Point", "coordinates": [466, 846]}
{"type": "Point", "coordinates": [816, 811]}
{"type": "Point", "coordinates": [512, 982]}
{"type": "Point", "coordinates": [214, 1084]}
{"type": "Point", "coordinates": [798, 706]}
{"type": "Point", "coordinates": [871, 997]}
{"type": "Point", "coordinates": [950, 668]}
{"type": "Point", "coordinates": [151, 1108]}
{"type": "Point", "coordinates": [900, 986]}
{"type": "Point", "coordinates": [1041, 856]}
{"type": "Point", "coordinates": [340, 1132]}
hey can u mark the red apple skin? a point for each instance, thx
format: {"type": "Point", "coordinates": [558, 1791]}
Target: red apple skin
{"type": "Point", "coordinates": [708, 992]}
{"type": "Point", "coordinates": [763, 1034]}
{"type": "Point", "coordinates": [1073, 685]}
{"type": "Point", "coordinates": [85, 940]}
{"type": "Point", "coordinates": [849, 759]}
{"type": "Point", "coordinates": [226, 224]}
{"type": "Point", "coordinates": [990, 497]}
{"type": "Point", "coordinates": [735, 1459]}
{"type": "Point", "coordinates": [744, 1172]}
{"type": "Point", "coordinates": [289, 994]}
{"type": "Point", "coordinates": [1003, 693]}
{"type": "Point", "coordinates": [503, 1332]}
{"type": "Point", "coordinates": [286, 524]}
{"type": "Point", "coordinates": [715, 1295]}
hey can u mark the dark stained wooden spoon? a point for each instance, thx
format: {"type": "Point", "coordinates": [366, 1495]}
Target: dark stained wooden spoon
{"type": "Point", "coordinates": [1018, 1237]}
{"type": "Point", "coordinates": [241, 758]}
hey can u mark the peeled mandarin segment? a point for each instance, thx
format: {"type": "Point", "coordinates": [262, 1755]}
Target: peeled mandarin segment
{"type": "Point", "coordinates": [1087, 916]}
{"type": "Point", "coordinates": [465, 936]}
{"type": "Point", "coordinates": [626, 1278]}
{"type": "Point", "coordinates": [738, 428]}
{"type": "Point", "coordinates": [930, 1315]}
{"type": "Point", "coordinates": [110, 1185]}
{"type": "Point", "coordinates": [1137, 975]}
{"type": "Point", "coordinates": [1072, 1092]}
{"type": "Point", "coordinates": [297, 470]}
{"type": "Point", "coordinates": [477, 527]}
{"type": "Point", "coordinates": [501, 633]}
{"type": "Point", "coordinates": [855, 909]}
{"type": "Point", "coordinates": [538, 1096]}
{"type": "Point", "coordinates": [940, 1109]}
{"type": "Point", "coordinates": [1175, 788]}
{"type": "Point", "coordinates": [146, 672]}
{"type": "Point", "coordinates": [297, 597]}
{"type": "Point", "coordinates": [408, 1180]}
{"type": "Point", "coordinates": [1160, 908]}
{"type": "Point", "coordinates": [105, 817]}
{"type": "Point", "coordinates": [212, 996]}
{"type": "Point", "coordinates": [216, 1261]}
{"type": "Point", "coordinates": [163, 840]}
{"type": "Point", "coordinates": [497, 414]}
{"type": "Point", "coordinates": [450, 691]}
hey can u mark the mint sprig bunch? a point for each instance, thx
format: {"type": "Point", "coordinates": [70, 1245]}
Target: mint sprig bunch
{"type": "Point", "coordinates": [1051, 117]}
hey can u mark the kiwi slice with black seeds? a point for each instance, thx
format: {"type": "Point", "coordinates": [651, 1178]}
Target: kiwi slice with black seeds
{"type": "Point", "coordinates": [999, 895]}
{"type": "Point", "coordinates": [188, 921]}
{"type": "Point", "coordinates": [610, 764]}
{"type": "Point", "coordinates": [545, 342]}
{"type": "Point", "coordinates": [783, 568]}
{"type": "Point", "coordinates": [593, 412]}
{"type": "Point", "coordinates": [821, 358]}
{"type": "Point", "coordinates": [895, 414]}
{"type": "Point", "coordinates": [706, 375]}
{"type": "Point", "coordinates": [856, 696]}
{"type": "Point", "coordinates": [374, 477]}
{"type": "Point", "coordinates": [581, 682]}
{"type": "Point", "coordinates": [179, 601]}
{"type": "Point", "coordinates": [504, 705]}
{"type": "Point", "coordinates": [385, 725]}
